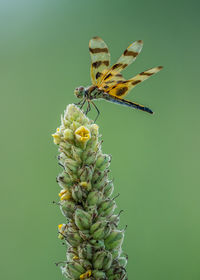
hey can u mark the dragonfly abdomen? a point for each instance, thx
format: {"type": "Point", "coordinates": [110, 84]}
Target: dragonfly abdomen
{"type": "Point", "coordinates": [124, 102]}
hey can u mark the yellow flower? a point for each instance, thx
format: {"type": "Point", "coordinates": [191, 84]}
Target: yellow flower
{"type": "Point", "coordinates": [60, 226]}
{"type": "Point", "coordinates": [64, 195]}
{"type": "Point", "coordinates": [56, 139]}
{"type": "Point", "coordinates": [86, 274]}
{"type": "Point", "coordinates": [82, 134]}
{"type": "Point", "coordinates": [84, 184]}
{"type": "Point", "coordinates": [75, 258]}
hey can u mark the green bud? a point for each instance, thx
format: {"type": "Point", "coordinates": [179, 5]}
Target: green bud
{"type": "Point", "coordinates": [96, 226]}
{"type": "Point", "coordinates": [65, 146]}
{"type": "Point", "coordinates": [67, 208]}
{"type": "Point", "coordinates": [114, 221]}
{"type": "Point", "coordinates": [71, 253]}
{"type": "Point", "coordinates": [116, 253]}
{"type": "Point", "coordinates": [68, 134]}
{"type": "Point", "coordinates": [94, 198]}
{"type": "Point", "coordinates": [85, 173]}
{"type": "Point", "coordinates": [102, 260]}
{"type": "Point", "coordinates": [77, 193]}
{"type": "Point", "coordinates": [82, 219]}
{"type": "Point", "coordinates": [92, 210]}
{"type": "Point", "coordinates": [114, 240]}
{"type": "Point", "coordinates": [101, 181]}
{"type": "Point", "coordinates": [74, 125]}
{"type": "Point", "coordinates": [122, 261]}
{"type": "Point", "coordinates": [86, 264]}
{"type": "Point", "coordinates": [89, 157]}
{"type": "Point", "coordinates": [96, 175]}
{"type": "Point", "coordinates": [99, 275]}
{"type": "Point", "coordinates": [74, 269]}
{"type": "Point", "coordinates": [85, 251]}
{"type": "Point", "coordinates": [107, 261]}
{"type": "Point", "coordinates": [108, 190]}
{"type": "Point", "coordinates": [71, 165]}
{"type": "Point", "coordinates": [98, 259]}
{"type": "Point", "coordinates": [103, 161]}
{"type": "Point", "coordinates": [76, 153]}
{"type": "Point", "coordinates": [102, 232]}
{"type": "Point", "coordinates": [97, 244]}
{"type": "Point", "coordinates": [107, 207]}
{"type": "Point", "coordinates": [73, 238]}
{"type": "Point", "coordinates": [64, 180]}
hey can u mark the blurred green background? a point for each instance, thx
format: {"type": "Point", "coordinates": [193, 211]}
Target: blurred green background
{"type": "Point", "coordinates": [44, 56]}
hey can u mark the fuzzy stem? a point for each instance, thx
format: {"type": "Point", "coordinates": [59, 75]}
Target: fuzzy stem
{"type": "Point", "coordinates": [91, 227]}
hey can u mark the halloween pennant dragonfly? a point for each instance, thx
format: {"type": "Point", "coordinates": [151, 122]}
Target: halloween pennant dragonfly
{"type": "Point", "coordinates": [107, 82]}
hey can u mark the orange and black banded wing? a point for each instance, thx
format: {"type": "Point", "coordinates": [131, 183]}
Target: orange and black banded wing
{"type": "Point", "coordinates": [108, 84]}
{"type": "Point", "coordinates": [100, 59]}
{"type": "Point", "coordinates": [121, 88]}
{"type": "Point", "coordinates": [128, 56]}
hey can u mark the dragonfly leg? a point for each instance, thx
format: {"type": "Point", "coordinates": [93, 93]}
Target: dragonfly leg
{"type": "Point", "coordinates": [88, 108]}
{"type": "Point", "coordinates": [98, 113]}
{"type": "Point", "coordinates": [79, 103]}
{"type": "Point", "coordinates": [82, 103]}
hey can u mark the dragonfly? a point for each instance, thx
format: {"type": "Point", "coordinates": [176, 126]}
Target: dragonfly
{"type": "Point", "coordinates": [108, 82]}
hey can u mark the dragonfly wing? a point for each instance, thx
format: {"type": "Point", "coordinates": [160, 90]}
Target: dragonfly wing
{"type": "Point", "coordinates": [121, 88]}
{"type": "Point", "coordinates": [109, 83]}
{"type": "Point", "coordinates": [128, 56]}
{"type": "Point", "coordinates": [100, 59]}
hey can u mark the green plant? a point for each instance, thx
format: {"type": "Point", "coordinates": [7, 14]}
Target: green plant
{"type": "Point", "coordinates": [91, 227]}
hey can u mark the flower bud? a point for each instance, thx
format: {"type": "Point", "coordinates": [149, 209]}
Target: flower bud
{"type": "Point", "coordinates": [56, 138]}
{"type": "Point", "coordinates": [114, 221]}
{"type": "Point", "coordinates": [64, 180]}
{"type": "Point", "coordinates": [107, 207]}
{"type": "Point", "coordinates": [98, 259]}
{"type": "Point", "coordinates": [122, 261]}
{"type": "Point", "coordinates": [64, 195]}
{"type": "Point", "coordinates": [73, 238]}
{"type": "Point", "coordinates": [77, 193]}
{"type": "Point", "coordinates": [102, 231]}
{"type": "Point", "coordinates": [114, 240]}
{"type": "Point", "coordinates": [82, 219]}
{"type": "Point", "coordinates": [107, 261]}
{"type": "Point", "coordinates": [96, 226]}
{"type": "Point", "coordinates": [96, 175]}
{"type": "Point", "coordinates": [92, 210]}
{"type": "Point", "coordinates": [94, 198]}
{"type": "Point", "coordinates": [108, 190]}
{"type": "Point", "coordinates": [102, 260]}
{"type": "Point", "coordinates": [76, 153]}
{"type": "Point", "coordinates": [97, 244]}
{"type": "Point", "coordinates": [94, 129]}
{"type": "Point", "coordinates": [85, 173]}
{"type": "Point", "coordinates": [74, 269]}
{"type": "Point", "coordinates": [99, 275]}
{"type": "Point", "coordinates": [103, 161]}
{"type": "Point", "coordinates": [86, 275]}
{"type": "Point", "coordinates": [116, 253]}
{"type": "Point", "coordinates": [74, 125]}
{"type": "Point", "coordinates": [100, 182]}
{"type": "Point", "coordinates": [68, 134]}
{"type": "Point", "coordinates": [67, 208]}
{"type": "Point", "coordinates": [85, 251]}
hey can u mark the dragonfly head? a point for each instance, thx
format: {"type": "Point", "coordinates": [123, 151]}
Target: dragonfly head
{"type": "Point", "coordinates": [79, 92]}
